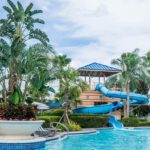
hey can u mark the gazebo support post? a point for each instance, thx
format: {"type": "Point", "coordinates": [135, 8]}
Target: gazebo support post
{"type": "Point", "coordinates": [90, 81]}
{"type": "Point", "coordinates": [104, 78]}
{"type": "Point", "coordinates": [99, 79]}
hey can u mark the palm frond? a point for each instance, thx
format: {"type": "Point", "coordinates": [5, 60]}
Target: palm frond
{"type": "Point", "coordinates": [7, 9]}
{"type": "Point", "coordinates": [37, 20]}
{"type": "Point", "coordinates": [29, 7]}
{"type": "Point", "coordinates": [35, 12]}
{"type": "Point", "coordinates": [12, 5]}
{"type": "Point", "coordinates": [20, 7]}
{"type": "Point", "coordinates": [39, 35]}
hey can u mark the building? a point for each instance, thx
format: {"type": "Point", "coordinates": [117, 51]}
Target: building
{"type": "Point", "coordinates": [95, 73]}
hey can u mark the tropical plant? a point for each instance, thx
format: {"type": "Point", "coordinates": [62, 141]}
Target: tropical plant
{"type": "Point", "coordinates": [145, 77]}
{"type": "Point", "coordinates": [38, 71]}
{"type": "Point", "coordinates": [130, 65]}
{"type": "Point", "coordinates": [73, 126]}
{"type": "Point", "coordinates": [27, 70]}
{"type": "Point", "coordinates": [71, 88]}
{"type": "Point", "coordinates": [18, 28]}
{"type": "Point", "coordinates": [60, 63]}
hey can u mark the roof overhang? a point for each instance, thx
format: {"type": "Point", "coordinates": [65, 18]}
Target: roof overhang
{"type": "Point", "coordinates": [97, 73]}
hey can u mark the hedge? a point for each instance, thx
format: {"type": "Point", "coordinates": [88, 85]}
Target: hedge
{"type": "Point", "coordinates": [53, 112]}
{"type": "Point", "coordinates": [48, 119]}
{"type": "Point", "coordinates": [130, 122]}
{"type": "Point", "coordinates": [85, 121]}
{"type": "Point", "coordinates": [90, 121]}
{"type": "Point", "coordinates": [135, 122]}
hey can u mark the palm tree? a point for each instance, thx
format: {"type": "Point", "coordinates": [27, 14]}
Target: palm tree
{"type": "Point", "coordinates": [71, 88]}
{"type": "Point", "coordinates": [116, 81]}
{"type": "Point", "coordinates": [5, 58]}
{"type": "Point", "coordinates": [60, 63]}
{"type": "Point", "coordinates": [38, 70]}
{"type": "Point", "coordinates": [20, 65]}
{"type": "Point", "coordinates": [129, 63]}
{"type": "Point", "coordinates": [18, 28]}
{"type": "Point", "coordinates": [146, 68]}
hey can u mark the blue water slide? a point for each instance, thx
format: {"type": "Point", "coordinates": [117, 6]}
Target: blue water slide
{"type": "Point", "coordinates": [115, 123]}
{"type": "Point", "coordinates": [107, 108]}
{"type": "Point", "coordinates": [134, 97]}
{"type": "Point", "coordinates": [54, 104]}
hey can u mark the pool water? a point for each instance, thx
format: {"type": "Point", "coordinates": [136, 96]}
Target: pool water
{"type": "Point", "coordinates": [138, 139]}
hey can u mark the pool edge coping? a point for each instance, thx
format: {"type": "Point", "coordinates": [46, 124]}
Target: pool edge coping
{"type": "Point", "coordinates": [64, 134]}
{"type": "Point", "coordinates": [87, 131]}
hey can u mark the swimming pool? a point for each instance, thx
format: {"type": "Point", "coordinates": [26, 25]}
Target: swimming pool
{"type": "Point", "coordinates": [138, 139]}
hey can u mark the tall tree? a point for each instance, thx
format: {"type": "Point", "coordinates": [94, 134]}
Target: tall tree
{"type": "Point", "coordinates": [129, 63]}
{"type": "Point", "coordinates": [60, 63]}
{"type": "Point", "coordinates": [18, 28]}
{"type": "Point", "coordinates": [28, 70]}
{"type": "Point", "coordinates": [38, 70]}
{"type": "Point", "coordinates": [71, 88]}
{"type": "Point", "coordinates": [146, 72]}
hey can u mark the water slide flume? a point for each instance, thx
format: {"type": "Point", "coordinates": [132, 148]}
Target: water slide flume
{"type": "Point", "coordinates": [115, 123]}
{"type": "Point", "coordinates": [107, 108]}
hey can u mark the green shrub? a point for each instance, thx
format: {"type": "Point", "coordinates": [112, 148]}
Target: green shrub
{"type": "Point", "coordinates": [131, 122]}
{"type": "Point", "coordinates": [48, 120]}
{"type": "Point", "coordinates": [85, 121]}
{"type": "Point", "coordinates": [57, 112]}
{"type": "Point", "coordinates": [146, 123]}
{"type": "Point", "coordinates": [143, 120]}
{"type": "Point", "coordinates": [45, 113]}
{"type": "Point", "coordinates": [72, 126]}
{"type": "Point", "coordinates": [90, 121]}
{"type": "Point", "coordinates": [135, 122]}
{"type": "Point", "coordinates": [53, 112]}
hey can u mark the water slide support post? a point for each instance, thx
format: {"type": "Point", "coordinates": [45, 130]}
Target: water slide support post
{"type": "Point", "coordinates": [125, 108]}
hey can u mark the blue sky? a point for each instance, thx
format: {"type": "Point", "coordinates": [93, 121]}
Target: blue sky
{"type": "Point", "coordinates": [94, 30]}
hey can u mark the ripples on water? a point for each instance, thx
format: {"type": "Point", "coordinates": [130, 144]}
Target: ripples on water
{"type": "Point", "coordinates": [105, 140]}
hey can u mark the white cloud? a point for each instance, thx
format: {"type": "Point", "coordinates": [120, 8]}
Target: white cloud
{"type": "Point", "coordinates": [114, 26]}
{"type": "Point", "coordinates": [118, 26]}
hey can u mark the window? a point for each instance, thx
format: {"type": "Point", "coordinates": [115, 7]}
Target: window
{"type": "Point", "coordinates": [87, 97]}
{"type": "Point", "coordinates": [101, 97]}
{"type": "Point", "coordinates": [99, 103]}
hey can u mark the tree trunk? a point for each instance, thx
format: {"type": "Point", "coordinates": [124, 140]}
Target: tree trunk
{"type": "Point", "coordinates": [128, 98]}
{"type": "Point", "coordinates": [65, 115]}
{"type": "Point", "coordinates": [11, 85]}
{"type": "Point", "coordinates": [66, 119]}
{"type": "Point", "coordinates": [60, 84]}
{"type": "Point", "coordinates": [11, 81]}
{"type": "Point", "coordinates": [4, 94]}
{"type": "Point", "coordinates": [25, 91]}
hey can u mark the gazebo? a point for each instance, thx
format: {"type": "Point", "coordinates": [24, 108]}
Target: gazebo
{"type": "Point", "coordinates": [97, 70]}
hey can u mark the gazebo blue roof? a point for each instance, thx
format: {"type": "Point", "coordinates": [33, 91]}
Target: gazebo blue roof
{"type": "Point", "coordinates": [97, 69]}
{"type": "Point", "coordinates": [97, 66]}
